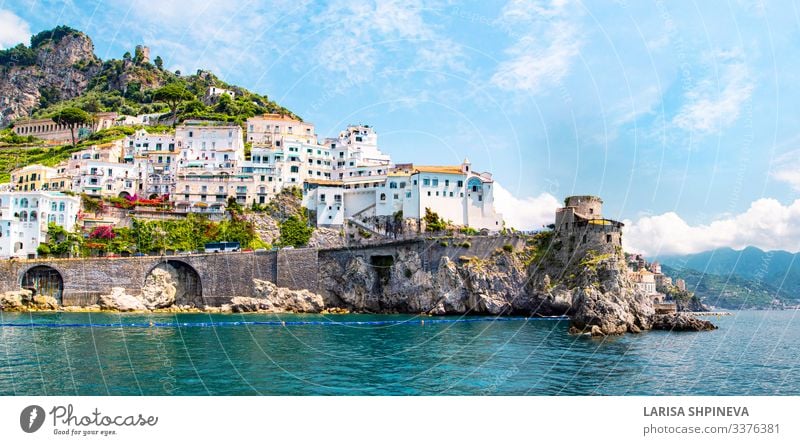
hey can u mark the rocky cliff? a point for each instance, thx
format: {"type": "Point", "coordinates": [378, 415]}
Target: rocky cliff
{"type": "Point", "coordinates": [594, 289]}
{"type": "Point", "coordinates": [62, 70]}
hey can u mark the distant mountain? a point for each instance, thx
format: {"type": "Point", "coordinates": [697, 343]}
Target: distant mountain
{"type": "Point", "coordinates": [778, 269]}
{"type": "Point", "coordinates": [59, 68]}
{"type": "Point", "coordinates": [730, 291]}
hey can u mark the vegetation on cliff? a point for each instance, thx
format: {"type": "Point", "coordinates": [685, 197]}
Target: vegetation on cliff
{"type": "Point", "coordinates": [127, 86]}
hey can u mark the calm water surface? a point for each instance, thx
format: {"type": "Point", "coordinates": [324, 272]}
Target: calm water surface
{"type": "Point", "coordinates": [754, 353]}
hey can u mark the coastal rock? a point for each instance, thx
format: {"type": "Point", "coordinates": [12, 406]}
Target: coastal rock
{"type": "Point", "coordinates": [270, 298]}
{"type": "Point", "coordinates": [15, 300]}
{"type": "Point", "coordinates": [281, 299]}
{"type": "Point", "coordinates": [681, 322]}
{"type": "Point", "coordinates": [159, 290]}
{"type": "Point", "coordinates": [119, 300]}
{"type": "Point", "coordinates": [43, 303]}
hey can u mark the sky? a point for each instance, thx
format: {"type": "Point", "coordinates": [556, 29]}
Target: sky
{"type": "Point", "coordinates": [681, 115]}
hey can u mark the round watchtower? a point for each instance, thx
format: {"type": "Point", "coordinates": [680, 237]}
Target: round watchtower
{"type": "Point", "coordinates": [586, 205]}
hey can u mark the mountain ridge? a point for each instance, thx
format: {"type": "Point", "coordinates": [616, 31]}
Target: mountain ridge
{"type": "Point", "coordinates": [59, 68]}
{"type": "Point", "coordinates": [778, 269]}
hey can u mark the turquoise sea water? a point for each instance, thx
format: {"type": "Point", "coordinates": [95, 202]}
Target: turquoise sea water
{"type": "Point", "coordinates": [755, 353]}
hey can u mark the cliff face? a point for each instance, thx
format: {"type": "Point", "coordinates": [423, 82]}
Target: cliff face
{"type": "Point", "coordinates": [468, 285]}
{"type": "Point", "coordinates": [593, 289]}
{"type": "Point", "coordinates": [62, 71]}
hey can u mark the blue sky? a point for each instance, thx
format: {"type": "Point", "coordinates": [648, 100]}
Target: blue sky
{"type": "Point", "coordinates": [681, 115]}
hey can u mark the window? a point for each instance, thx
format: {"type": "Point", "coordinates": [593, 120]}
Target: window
{"type": "Point", "coordinates": [426, 183]}
{"type": "Point", "coordinates": [383, 196]}
{"type": "Point", "coordinates": [392, 185]}
{"type": "Point", "coordinates": [447, 183]}
{"type": "Point", "coordinates": [415, 182]}
{"type": "Point", "coordinates": [294, 169]}
{"type": "Point", "coordinates": [61, 206]}
{"type": "Point", "coordinates": [429, 193]}
{"type": "Point", "coordinates": [460, 183]}
{"type": "Point", "coordinates": [608, 238]}
{"type": "Point", "coordinates": [436, 182]}
{"type": "Point", "coordinates": [396, 196]}
{"type": "Point", "coordinates": [322, 197]}
{"type": "Point", "coordinates": [402, 185]}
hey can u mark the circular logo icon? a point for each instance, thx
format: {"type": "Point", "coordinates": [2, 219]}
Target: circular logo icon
{"type": "Point", "coordinates": [31, 418]}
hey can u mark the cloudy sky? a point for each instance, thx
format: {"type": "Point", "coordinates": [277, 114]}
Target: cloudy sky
{"type": "Point", "coordinates": [679, 114]}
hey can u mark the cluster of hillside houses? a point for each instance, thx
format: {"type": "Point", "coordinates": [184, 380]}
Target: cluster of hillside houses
{"type": "Point", "coordinates": [202, 164]}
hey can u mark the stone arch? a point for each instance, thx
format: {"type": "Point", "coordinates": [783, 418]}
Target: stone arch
{"type": "Point", "coordinates": [43, 280]}
{"type": "Point", "coordinates": [173, 281]}
{"type": "Point", "coordinates": [124, 195]}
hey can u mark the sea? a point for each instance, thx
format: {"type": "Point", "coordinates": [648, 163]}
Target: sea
{"type": "Point", "coordinates": [752, 353]}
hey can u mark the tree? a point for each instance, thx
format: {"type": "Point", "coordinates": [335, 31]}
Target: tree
{"type": "Point", "coordinates": [433, 223]}
{"type": "Point", "coordinates": [72, 117]}
{"type": "Point", "coordinates": [159, 62]}
{"type": "Point", "coordinates": [126, 56]}
{"type": "Point", "coordinates": [172, 94]}
{"type": "Point", "coordinates": [295, 232]}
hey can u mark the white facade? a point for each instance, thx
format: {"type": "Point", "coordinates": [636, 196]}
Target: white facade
{"type": "Point", "coordinates": [155, 158]}
{"type": "Point", "coordinates": [209, 145]}
{"type": "Point", "coordinates": [326, 198]}
{"type": "Point", "coordinates": [24, 217]}
{"type": "Point", "coordinates": [455, 193]}
{"type": "Point", "coordinates": [217, 91]}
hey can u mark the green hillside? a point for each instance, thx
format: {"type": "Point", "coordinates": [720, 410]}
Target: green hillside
{"type": "Point", "coordinates": [778, 268]}
{"type": "Point", "coordinates": [730, 291]}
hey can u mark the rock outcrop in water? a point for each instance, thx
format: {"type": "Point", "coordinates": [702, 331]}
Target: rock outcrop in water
{"type": "Point", "coordinates": [25, 300]}
{"type": "Point", "coordinates": [119, 300]}
{"type": "Point", "coordinates": [270, 298]}
{"type": "Point", "coordinates": [594, 288]}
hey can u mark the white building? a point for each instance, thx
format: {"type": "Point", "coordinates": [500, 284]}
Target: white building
{"type": "Point", "coordinates": [209, 145]}
{"type": "Point", "coordinates": [455, 193]}
{"type": "Point", "coordinates": [213, 92]}
{"type": "Point", "coordinates": [645, 281]}
{"type": "Point", "coordinates": [24, 217]}
{"type": "Point", "coordinates": [155, 158]}
{"type": "Point", "coordinates": [355, 153]}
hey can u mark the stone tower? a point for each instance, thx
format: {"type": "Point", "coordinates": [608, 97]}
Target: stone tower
{"type": "Point", "coordinates": [144, 51]}
{"type": "Point", "coordinates": [588, 206]}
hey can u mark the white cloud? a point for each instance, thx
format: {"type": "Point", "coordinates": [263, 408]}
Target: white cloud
{"type": "Point", "coordinates": [362, 34]}
{"type": "Point", "coordinates": [13, 30]}
{"type": "Point", "coordinates": [786, 168]}
{"type": "Point", "coordinates": [715, 102]}
{"type": "Point", "coordinates": [220, 35]}
{"type": "Point", "coordinates": [767, 224]}
{"type": "Point", "coordinates": [528, 213]}
{"type": "Point", "coordinates": [544, 50]}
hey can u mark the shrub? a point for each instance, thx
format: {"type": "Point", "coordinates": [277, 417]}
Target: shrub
{"type": "Point", "coordinates": [465, 244]}
{"type": "Point", "coordinates": [508, 248]}
{"type": "Point", "coordinates": [468, 231]}
{"type": "Point", "coordinates": [294, 232]}
{"type": "Point", "coordinates": [433, 223]}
